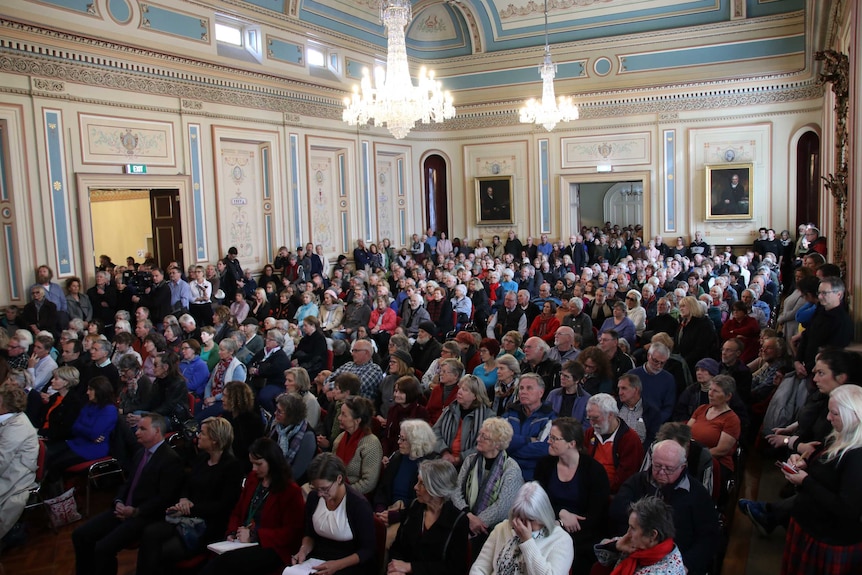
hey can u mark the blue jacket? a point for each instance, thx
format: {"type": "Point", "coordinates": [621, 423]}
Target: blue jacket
{"type": "Point", "coordinates": [579, 410]}
{"type": "Point", "coordinates": [536, 426]}
{"type": "Point", "coordinates": [93, 422]}
{"type": "Point", "coordinates": [197, 375]}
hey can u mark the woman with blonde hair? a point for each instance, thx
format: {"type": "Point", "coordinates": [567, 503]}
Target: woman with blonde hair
{"type": "Point", "coordinates": [489, 480]}
{"type": "Point", "coordinates": [696, 338]}
{"type": "Point", "coordinates": [825, 534]}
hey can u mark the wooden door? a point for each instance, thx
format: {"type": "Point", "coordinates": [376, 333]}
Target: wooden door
{"type": "Point", "coordinates": [167, 229]}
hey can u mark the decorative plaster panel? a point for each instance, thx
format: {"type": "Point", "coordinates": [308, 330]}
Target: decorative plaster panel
{"type": "Point", "coordinates": [110, 140]}
{"type": "Point", "coordinates": [615, 149]}
{"type": "Point", "coordinates": [239, 191]}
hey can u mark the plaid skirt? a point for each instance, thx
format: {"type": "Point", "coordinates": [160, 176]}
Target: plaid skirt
{"type": "Point", "coordinates": [804, 555]}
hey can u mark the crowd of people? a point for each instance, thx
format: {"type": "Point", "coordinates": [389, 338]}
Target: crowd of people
{"type": "Point", "coordinates": [520, 407]}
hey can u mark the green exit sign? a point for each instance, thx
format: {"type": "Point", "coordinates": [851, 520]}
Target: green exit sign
{"type": "Point", "coordinates": [136, 168]}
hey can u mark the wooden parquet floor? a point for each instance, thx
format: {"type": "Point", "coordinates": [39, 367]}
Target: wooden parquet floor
{"type": "Point", "coordinates": [46, 553]}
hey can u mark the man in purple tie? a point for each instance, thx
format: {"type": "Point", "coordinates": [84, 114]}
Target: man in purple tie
{"type": "Point", "coordinates": [143, 498]}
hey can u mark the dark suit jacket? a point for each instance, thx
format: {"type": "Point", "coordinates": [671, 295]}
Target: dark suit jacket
{"type": "Point", "coordinates": [271, 371]}
{"type": "Point", "coordinates": [159, 484]}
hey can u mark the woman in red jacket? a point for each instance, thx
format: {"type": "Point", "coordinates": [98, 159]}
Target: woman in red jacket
{"type": "Point", "coordinates": [742, 326]}
{"type": "Point", "coordinates": [546, 323]}
{"type": "Point", "coordinates": [270, 512]}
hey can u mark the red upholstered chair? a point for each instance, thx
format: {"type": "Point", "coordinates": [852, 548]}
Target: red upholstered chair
{"type": "Point", "coordinates": [96, 469]}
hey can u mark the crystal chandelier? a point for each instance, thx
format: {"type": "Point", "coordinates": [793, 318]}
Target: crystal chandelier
{"type": "Point", "coordinates": [393, 99]}
{"type": "Point", "coordinates": [549, 111]}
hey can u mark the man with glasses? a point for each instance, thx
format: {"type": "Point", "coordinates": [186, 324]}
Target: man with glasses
{"type": "Point", "coordinates": [831, 325]}
{"type": "Point", "coordinates": [659, 386]}
{"type": "Point", "coordinates": [816, 242]}
{"type": "Point", "coordinates": [364, 368]}
{"type": "Point", "coordinates": [620, 362]}
{"type": "Point", "coordinates": [694, 515]}
{"type": "Point", "coordinates": [732, 365]}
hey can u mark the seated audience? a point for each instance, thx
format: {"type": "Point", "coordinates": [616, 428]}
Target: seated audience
{"type": "Point", "coordinates": [531, 422]}
{"type": "Point", "coordinates": [529, 541]}
{"type": "Point", "coordinates": [648, 545]}
{"type": "Point", "coordinates": [339, 523]}
{"type": "Point", "coordinates": [240, 412]}
{"type": "Point", "coordinates": [577, 487]}
{"type": "Point", "coordinates": [293, 434]}
{"type": "Point", "coordinates": [432, 537]}
{"type": "Point", "coordinates": [694, 514]}
{"type": "Point", "coordinates": [611, 442]}
{"type": "Point", "coordinates": [209, 494]}
{"type": "Point", "coordinates": [459, 425]}
{"type": "Point", "coordinates": [269, 512]}
{"type": "Point", "coordinates": [356, 446]}
{"type": "Point", "coordinates": [406, 406]}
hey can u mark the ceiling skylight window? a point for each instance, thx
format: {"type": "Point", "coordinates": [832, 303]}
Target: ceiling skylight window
{"type": "Point", "coordinates": [315, 57]}
{"type": "Point", "coordinates": [228, 34]}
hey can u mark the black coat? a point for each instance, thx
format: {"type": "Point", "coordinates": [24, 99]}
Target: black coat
{"type": "Point", "coordinates": [440, 549]}
{"type": "Point", "coordinates": [694, 516]}
{"type": "Point", "coordinates": [159, 484]}
{"type": "Point", "coordinates": [62, 418]}
{"type": "Point", "coordinates": [696, 341]}
{"type": "Point", "coordinates": [269, 371]}
{"type": "Point", "coordinates": [311, 352]}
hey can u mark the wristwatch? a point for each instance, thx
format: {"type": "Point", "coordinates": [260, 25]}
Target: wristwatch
{"type": "Point", "coordinates": [787, 440]}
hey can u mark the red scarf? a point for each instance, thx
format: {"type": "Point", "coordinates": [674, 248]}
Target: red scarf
{"type": "Point", "coordinates": [349, 444]}
{"type": "Point", "coordinates": [643, 558]}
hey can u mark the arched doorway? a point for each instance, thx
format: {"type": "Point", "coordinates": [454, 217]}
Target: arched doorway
{"type": "Point", "coordinates": [808, 183]}
{"type": "Point", "coordinates": [434, 178]}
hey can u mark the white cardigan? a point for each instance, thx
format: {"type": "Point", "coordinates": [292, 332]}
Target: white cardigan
{"type": "Point", "coordinates": [551, 555]}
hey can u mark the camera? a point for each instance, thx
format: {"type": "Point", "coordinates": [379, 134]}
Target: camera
{"type": "Point", "coordinates": [137, 282]}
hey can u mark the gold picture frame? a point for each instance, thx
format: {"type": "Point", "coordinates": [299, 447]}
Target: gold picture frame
{"type": "Point", "coordinates": [494, 200]}
{"type": "Point", "coordinates": [729, 192]}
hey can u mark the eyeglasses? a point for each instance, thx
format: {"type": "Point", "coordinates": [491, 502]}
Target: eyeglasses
{"type": "Point", "coordinates": [825, 292]}
{"type": "Point", "coordinates": [402, 438]}
{"type": "Point", "coordinates": [666, 469]}
{"type": "Point", "coordinates": [324, 490]}
{"type": "Point", "coordinates": [554, 439]}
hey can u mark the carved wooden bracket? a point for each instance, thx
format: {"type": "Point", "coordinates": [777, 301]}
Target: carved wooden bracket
{"type": "Point", "coordinates": [836, 71]}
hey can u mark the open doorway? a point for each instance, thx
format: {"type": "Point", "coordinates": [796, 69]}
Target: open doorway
{"type": "Point", "coordinates": [123, 216]}
{"type": "Point", "coordinates": [592, 200]}
{"type": "Point", "coordinates": [136, 223]}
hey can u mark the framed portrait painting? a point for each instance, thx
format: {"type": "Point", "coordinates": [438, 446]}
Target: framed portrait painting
{"type": "Point", "coordinates": [729, 191]}
{"type": "Point", "coordinates": [494, 200]}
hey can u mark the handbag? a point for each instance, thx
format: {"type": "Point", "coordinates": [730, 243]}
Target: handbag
{"type": "Point", "coordinates": [63, 509]}
{"type": "Point", "coordinates": [190, 529]}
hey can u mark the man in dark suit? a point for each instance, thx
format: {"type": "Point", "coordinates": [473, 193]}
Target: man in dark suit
{"type": "Point", "coordinates": [266, 370]}
{"type": "Point", "coordinates": [142, 500]}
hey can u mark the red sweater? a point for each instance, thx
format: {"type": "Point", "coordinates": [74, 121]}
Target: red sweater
{"type": "Point", "coordinates": [281, 521]}
{"type": "Point", "coordinates": [628, 452]}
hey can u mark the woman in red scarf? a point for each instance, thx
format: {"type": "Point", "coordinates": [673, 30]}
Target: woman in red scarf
{"type": "Point", "coordinates": [356, 446]}
{"type": "Point", "coordinates": [647, 547]}
{"type": "Point", "coordinates": [546, 323]}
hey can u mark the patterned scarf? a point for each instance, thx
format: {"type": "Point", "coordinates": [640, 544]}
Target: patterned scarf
{"type": "Point", "coordinates": [510, 561]}
{"type": "Point", "coordinates": [290, 439]}
{"type": "Point", "coordinates": [218, 380]}
{"type": "Point", "coordinates": [484, 487]}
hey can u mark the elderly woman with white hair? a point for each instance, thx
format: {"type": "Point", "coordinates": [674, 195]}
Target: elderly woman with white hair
{"type": "Point", "coordinates": [635, 312]}
{"type": "Point", "coordinates": [433, 536]}
{"type": "Point", "coordinates": [395, 493]}
{"type": "Point", "coordinates": [530, 541]}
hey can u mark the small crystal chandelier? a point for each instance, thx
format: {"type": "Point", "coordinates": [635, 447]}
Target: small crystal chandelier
{"type": "Point", "coordinates": [393, 99]}
{"type": "Point", "coordinates": [549, 111]}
